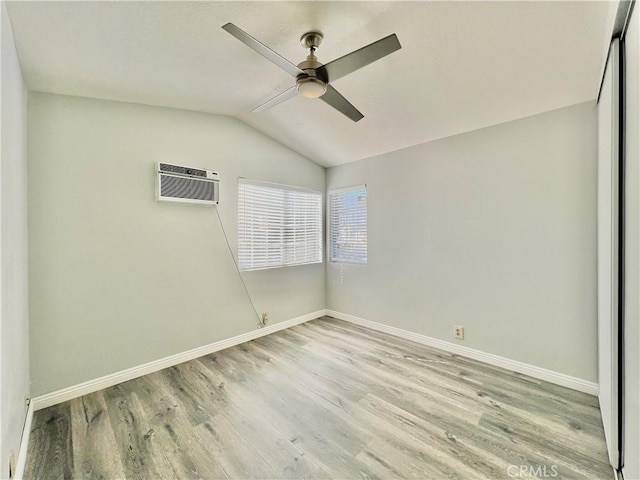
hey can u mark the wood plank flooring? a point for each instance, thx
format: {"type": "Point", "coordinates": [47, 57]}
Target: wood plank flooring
{"type": "Point", "coordinates": [325, 399]}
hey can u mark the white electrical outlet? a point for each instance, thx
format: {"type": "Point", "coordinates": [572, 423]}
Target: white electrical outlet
{"type": "Point", "coordinates": [458, 332]}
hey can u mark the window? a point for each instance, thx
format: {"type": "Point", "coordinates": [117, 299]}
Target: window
{"type": "Point", "coordinates": [278, 225]}
{"type": "Point", "coordinates": [348, 225]}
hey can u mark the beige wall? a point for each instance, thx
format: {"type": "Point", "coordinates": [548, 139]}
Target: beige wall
{"type": "Point", "coordinates": [14, 324]}
{"type": "Point", "coordinates": [117, 279]}
{"type": "Point", "coordinates": [493, 230]}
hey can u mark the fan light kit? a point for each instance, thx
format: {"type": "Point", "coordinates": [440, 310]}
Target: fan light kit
{"type": "Point", "coordinates": [312, 77]}
{"type": "Point", "coordinates": [311, 87]}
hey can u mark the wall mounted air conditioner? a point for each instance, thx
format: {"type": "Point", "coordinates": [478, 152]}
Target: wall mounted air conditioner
{"type": "Point", "coordinates": [176, 183]}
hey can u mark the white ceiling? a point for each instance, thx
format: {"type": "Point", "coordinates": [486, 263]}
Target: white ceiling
{"type": "Point", "coordinates": [462, 66]}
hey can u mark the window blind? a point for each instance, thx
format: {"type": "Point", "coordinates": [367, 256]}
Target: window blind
{"type": "Point", "coordinates": [348, 225]}
{"type": "Point", "coordinates": [278, 225]}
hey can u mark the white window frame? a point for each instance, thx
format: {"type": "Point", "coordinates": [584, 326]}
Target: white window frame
{"type": "Point", "coordinates": [358, 232]}
{"type": "Point", "coordinates": [278, 225]}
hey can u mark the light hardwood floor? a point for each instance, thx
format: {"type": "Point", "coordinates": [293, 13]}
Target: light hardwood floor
{"type": "Point", "coordinates": [325, 399]}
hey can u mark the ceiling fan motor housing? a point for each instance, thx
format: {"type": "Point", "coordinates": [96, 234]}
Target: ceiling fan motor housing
{"type": "Point", "coordinates": [313, 83]}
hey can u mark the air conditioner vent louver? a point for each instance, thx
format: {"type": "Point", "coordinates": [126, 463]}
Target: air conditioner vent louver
{"type": "Point", "coordinates": [176, 183]}
{"type": "Point", "coordinates": [165, 167]}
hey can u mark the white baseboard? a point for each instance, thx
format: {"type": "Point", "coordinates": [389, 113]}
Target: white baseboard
{"type": "Point", "coordinates": [53, 398]}
{"type": "Point", "coordinates": [24, 444]}
{"type": "Point", "coordinates": [513, 365]}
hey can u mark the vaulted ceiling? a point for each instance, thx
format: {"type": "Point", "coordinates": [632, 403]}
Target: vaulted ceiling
{"type": "Point", "coordinates": [462, 66]}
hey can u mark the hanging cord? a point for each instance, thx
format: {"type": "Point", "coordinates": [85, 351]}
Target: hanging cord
{"type": "Point", "coordinates": [235, 264]}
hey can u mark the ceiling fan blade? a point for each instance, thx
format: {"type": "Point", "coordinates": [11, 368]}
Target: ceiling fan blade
{"type": "Point", "coordinates": [337, 101]}
{"type": "Point", "coordinates": [286, 95]}
{"type": "Point", "coordinates": [362, 57]}
{"type": "Point", "coordinates": [262, 49]}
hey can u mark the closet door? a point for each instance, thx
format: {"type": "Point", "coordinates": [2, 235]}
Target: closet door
{"type": "Point", "coordinates": [608, 255]}
{"type": "Point", "coordinates": [631, 415]}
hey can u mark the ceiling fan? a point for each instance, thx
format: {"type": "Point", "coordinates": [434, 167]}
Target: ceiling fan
{"type": "Point", "coordinates": [313, 79]}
